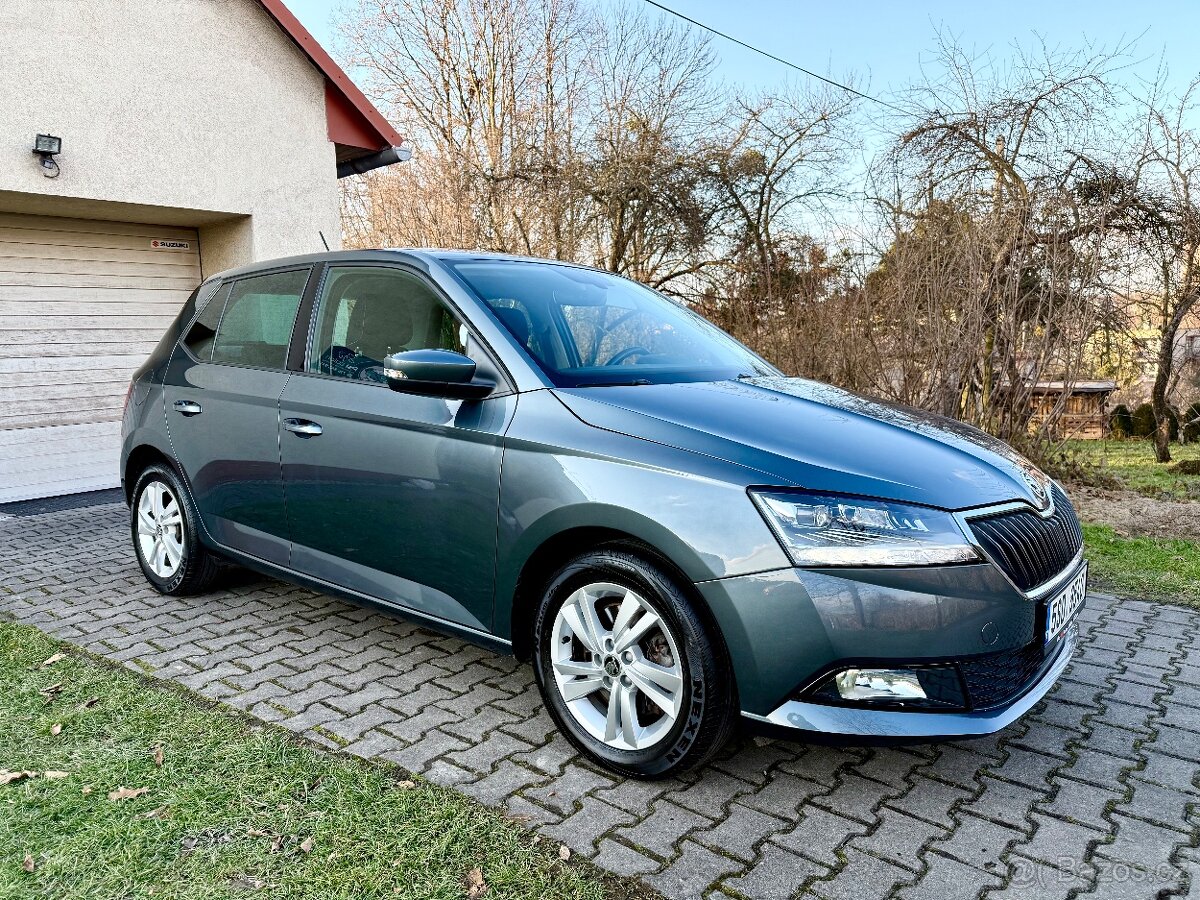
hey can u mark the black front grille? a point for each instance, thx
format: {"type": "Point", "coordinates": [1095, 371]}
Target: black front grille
{"type": "Point", "coordinates": [1031, 549]}
{"type": "Point", "coordinates": [994, 679]}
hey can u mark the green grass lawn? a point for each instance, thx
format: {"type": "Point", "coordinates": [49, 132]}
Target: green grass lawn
{"type": "Point", "coordinates": [234, 809]}
{"type": "Point", "coordinates": [1132, 463]}
{"type": "Point", "coordinates": [1146, 568]}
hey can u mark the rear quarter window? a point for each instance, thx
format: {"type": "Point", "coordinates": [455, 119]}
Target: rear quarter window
{"type": "Point", "coordinates": [203, 333]}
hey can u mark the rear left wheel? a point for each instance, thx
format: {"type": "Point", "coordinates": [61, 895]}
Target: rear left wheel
{"type": "Point", "coordinates": [164, 528]}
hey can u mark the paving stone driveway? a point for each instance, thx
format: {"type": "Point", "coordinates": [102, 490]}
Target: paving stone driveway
{"type": "Point", "coordinates": [1095, 794]}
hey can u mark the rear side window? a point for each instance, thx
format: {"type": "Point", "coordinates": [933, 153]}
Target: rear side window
{"type": "Point", "coordinates": [203, 332]}
{"type": "Point", "coordinates": [256, 324]}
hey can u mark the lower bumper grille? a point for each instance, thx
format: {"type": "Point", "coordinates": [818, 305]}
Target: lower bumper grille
{"type": "Point", "coordinates": [998, 678]}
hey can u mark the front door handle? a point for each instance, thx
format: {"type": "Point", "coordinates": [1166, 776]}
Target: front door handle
{"type": "Point", "coordinates": [188, 407]}
{"type": "Point", "coordinates": [302, 427]}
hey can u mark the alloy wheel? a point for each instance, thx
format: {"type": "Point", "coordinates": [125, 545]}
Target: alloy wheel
{"type": "Point", "coordinates": [617, 666]}
{"type": "Point", "coordinates": [160, 529]}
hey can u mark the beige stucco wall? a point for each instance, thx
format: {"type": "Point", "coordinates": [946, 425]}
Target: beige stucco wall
{"type": "Point", "coordinates": [203, 108]}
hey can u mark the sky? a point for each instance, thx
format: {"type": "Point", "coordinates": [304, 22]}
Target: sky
{"type": "Point", "coordinates": [883, 45]}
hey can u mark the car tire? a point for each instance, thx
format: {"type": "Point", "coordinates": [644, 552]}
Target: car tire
{"type": "Point", "coordinates": [165, 531]}
{"type": "Point", "coordinates": [609, 683]}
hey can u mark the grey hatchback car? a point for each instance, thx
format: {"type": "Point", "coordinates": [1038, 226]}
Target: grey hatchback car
{"type": "Point", "coordinates": [560, 463]}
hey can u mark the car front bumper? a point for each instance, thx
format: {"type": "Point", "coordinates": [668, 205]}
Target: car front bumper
{"type": "Point", "coordinates": [788, 630]}
{"type": "Point", "coordinates": [915, 725]}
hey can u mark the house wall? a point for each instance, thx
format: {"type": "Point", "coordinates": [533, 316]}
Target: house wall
{"type": "Point", "coordinates": [183, 112]}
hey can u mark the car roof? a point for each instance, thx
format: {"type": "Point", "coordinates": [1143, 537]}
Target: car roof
{"type": "Point", "coordinates": [424, 255]}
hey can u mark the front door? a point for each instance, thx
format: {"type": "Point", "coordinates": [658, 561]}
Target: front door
{"type": "Point", "coordinates": [392, 495]}
{"type": "Point", "coordinates": [222, 407]}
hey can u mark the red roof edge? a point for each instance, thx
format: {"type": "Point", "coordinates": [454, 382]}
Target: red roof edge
{"type": "Point", "coordinates": [335, 77]}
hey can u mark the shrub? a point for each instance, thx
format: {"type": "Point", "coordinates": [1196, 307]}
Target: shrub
{"type": "Point", "coordinates": [1143, 421]}
{"type": "Point", "coordinates": [1191, 430]}
{"type": "Point", "coordinates": [1120, 422]}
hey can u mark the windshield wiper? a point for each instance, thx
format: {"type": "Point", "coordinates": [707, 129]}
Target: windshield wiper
{"type": "Point", "coordinates": [636, 382]}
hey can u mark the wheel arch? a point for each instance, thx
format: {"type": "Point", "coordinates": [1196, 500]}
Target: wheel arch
{"type": "Point", "coordinates": [560, 547]}
{"type": "Point", "coordinates": [140, 458]}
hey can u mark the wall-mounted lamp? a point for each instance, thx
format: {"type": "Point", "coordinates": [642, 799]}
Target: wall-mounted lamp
{"type": "Point", "coordinates": [47, 146]}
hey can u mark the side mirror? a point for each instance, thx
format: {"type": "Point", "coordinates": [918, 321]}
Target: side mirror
{"type": "Point", "coordinates": [435, 373]}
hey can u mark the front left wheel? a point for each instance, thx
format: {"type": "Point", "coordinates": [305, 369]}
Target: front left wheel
{"type": "Point", "coordinates": [627, 668]}
{"type": "Point", "coordinates": [165, 539]}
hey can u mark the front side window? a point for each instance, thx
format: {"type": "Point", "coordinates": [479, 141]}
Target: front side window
{"type": "Point", "coordinates": [256, 325]}
{"type": "Point", "coordinates": [366, 314]}
{"type": "Point", "coordinates": [586, 328]}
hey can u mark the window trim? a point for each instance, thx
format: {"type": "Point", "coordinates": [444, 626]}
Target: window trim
{"type": "Point", "coordinates": [505, 386]}
{"type": "Point", "coordinates": [222, 283]}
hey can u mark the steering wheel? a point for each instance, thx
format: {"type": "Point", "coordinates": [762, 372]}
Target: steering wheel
{"type": "Point", "coordinates": [621, 355]}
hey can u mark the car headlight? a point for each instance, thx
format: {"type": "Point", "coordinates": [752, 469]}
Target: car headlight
{"type": "Point", "coordinates": [828, 530]}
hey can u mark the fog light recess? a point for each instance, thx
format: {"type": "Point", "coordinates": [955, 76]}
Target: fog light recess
{"type": "Point", "coordinates": [879, 684]}
{"type": "Point", "coordinates": [921, 688]}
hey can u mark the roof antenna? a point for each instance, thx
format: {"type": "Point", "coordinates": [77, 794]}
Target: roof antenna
{"type": "Point", "coordinates": [323, 241]}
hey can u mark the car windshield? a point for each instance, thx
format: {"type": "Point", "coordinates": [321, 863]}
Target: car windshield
{"type": "Point", "coordinates": [586, 328]}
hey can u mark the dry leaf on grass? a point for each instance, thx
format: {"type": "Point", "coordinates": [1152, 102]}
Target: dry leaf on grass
{"type": "Point", "coordinates": [564, 852]}
{"type": "Point", "coordinates": [27, 863]}
{"type": "Point", "coordinates": [159, 813]}
{"type": "Point", "coordinates": [306, 845]}
{"type": "Point", "coordinates": [52, 660]}
{"type": "Point", "coordinates": [124, 793]}
{"type": "Point", "coordinates": [476, 886]}
{"type": "Point", "coordinates": [407, 784]}
{"type": "Point", "coordinates": [246, 883]}
{"type": "Point", "coordinates": [55, 773]}
{"type": "Point", "coordinates": [56, 729]}
{"type": "Point", "coordinates": [52, 691]}
{"type": "Point", "coordinates": [89, 702]}
{"type": "Point", "coordinates": [87, 789]}
{"type": "Point", "coordinates": [7, 777]}
{"type": "Point", "coordinates": [158, 755]}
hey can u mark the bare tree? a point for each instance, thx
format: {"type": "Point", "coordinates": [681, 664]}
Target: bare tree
{"type": "Point", "coordinates": [1167, 242]}
{"type": "Point", "coordinates": [997, 233]}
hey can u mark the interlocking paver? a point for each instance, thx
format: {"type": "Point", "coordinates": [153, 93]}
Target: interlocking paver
{"type": "Point", "coordinates": [819, 835]}
{"type": "Point", "coordinates": [863, 876]}
{"type": "Point", "coordinates": [1093, 785]}
{"type": "Point", "coordinates": [581, 830]}
{"type": "Point", "coordinates": [777, 875]}
{"type": "Point", "coordinates": [979, 843]}
{"type": "Point", "coordinates": [900, 838]}
{"type": "Point", "coordinates": [575, 782]}
{"type": "Point", "coordinates": [1032, 880]}
{"type": "Point", "coordinates": [739, 833]}
{"type": "Point", "coordinates": [661, 831]}
{"type": "Point", "coordinates": [1079, 802]}
{"type": "Point", "coordinates": [949, 879]}
{"type": "Point", "coordinates": [1003, 801]}
{"type": "Point", "coordinates": [930, 800]}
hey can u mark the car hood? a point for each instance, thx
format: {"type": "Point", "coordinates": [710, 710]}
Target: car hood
{"type": "Point", "coordinates": [811, 435]}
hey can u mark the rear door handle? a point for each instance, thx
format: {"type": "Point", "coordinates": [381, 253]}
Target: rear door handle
{"type": "Point", "coordinates": [302, 427]}
{"type": "Point", "coordinates": [188, 407]}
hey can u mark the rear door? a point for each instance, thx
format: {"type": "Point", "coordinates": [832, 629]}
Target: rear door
{"type": "Point", "coordinates": [222, 407]}
{"type": "Point", "coordinates": [392, 495]}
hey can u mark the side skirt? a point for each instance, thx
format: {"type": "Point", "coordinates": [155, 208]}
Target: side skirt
{"type": "Point", "coordinates": [443, 626]}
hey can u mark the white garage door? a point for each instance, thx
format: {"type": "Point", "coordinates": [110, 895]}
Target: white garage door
{"type": "Point", "coordinates": [82, 303]}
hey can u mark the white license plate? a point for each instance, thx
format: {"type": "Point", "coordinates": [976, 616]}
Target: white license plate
{"type": "Point", "coordinates": [1065, 604]}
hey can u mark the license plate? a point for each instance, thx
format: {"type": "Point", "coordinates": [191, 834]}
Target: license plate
{"type": "Point", "coordinates": [1065, 604]}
